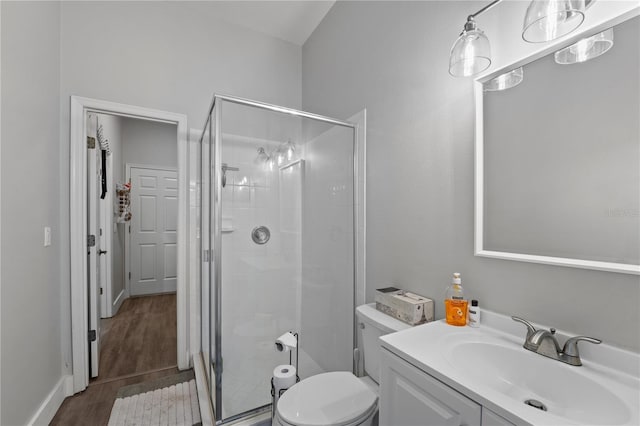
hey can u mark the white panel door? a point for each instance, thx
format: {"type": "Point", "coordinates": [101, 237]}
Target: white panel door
{"type": "Point", "coordinates": [94, 251]}
{"type": "Point", "coordinates": [154, 223]}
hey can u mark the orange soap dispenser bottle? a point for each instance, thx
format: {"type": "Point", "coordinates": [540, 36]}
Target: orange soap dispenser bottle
{"type": "Point", "coordinates": [455, 306]}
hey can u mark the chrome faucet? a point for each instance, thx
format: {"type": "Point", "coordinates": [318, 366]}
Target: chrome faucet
{"type": "Point", "coordinates": [544, 342]}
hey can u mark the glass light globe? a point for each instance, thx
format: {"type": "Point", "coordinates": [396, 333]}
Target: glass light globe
{"type": "Point", "coordinates": [471, 53]}
{"type": "Point", "coordinates": [585, 49]}
{"type": "Point", "coordinates": [290, 150]}
{"type": "Point", "coordinates": [505, 81]}
{"type": "Point", "coordinates": [262, 156]}
{"type": "Point", "coordinates": [548, 20]}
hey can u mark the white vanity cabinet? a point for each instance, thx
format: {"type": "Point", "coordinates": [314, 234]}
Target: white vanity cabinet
{"type": "Point", "coordinates": [411, 397]}
{"type": "Point", "coordinates": [489, 418]}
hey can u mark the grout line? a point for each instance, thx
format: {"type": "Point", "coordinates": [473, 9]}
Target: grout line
{"type": "Point", "coordinates": [128, 376]}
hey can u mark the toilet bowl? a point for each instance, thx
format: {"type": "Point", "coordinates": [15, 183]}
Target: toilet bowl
{"type": "Point", "coordinates": [340, 398]}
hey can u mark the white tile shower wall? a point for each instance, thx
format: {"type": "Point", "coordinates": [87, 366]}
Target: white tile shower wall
{"type": "Point", "coordinates": [327, 250]}
{"type": "Point", "coordinates": [260, 282]}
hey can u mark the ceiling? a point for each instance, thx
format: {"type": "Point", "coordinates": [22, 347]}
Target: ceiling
{"type": "Point", "coordinates": [293, 21]}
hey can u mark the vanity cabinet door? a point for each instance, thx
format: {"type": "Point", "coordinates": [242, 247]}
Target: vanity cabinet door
{"type": "Point", "coordinates": [410, 397]}
{"type": "Point", "coordinates": [489, 418]}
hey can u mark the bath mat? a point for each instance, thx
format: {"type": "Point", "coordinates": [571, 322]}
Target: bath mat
{"type": "Point", "coordinates": [171, 400]}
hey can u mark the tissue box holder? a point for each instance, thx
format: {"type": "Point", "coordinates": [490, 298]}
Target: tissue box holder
{"type": "Point", "coordinates": [407, 307]}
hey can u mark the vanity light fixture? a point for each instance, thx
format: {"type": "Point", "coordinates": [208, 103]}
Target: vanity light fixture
{"type": "Point", "coordinates": [290, 149]}
{"type": "Point", "coordinates": [262, 156]}
{"type": "Point", "coordinates": [505, 81]}
{"type": "Point", "coordinates": [548, 20]}
{"type": "Point", "coordinates": [284, 152]}
{"type": "Point", "coordinates": [471, 53]}
{"type": "Point", "coordinates": [585, 49]}
{"type": "Point", "coordinates": [545, 20]}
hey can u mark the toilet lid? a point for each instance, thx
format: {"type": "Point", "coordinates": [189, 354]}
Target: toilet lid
{"type": "Point", "coordinates": [337, 398]}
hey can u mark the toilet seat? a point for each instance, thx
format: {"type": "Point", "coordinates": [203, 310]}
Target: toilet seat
{"type": "Point", "coordinates": [337, 398]}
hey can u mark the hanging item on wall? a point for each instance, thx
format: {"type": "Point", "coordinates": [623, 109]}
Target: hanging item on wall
{"type": "Point", "coordinates": [102, 141]}
{"type": "Point", "coordinates": [105, 150]}
{"type": "Point", "coordinates": [123, 202]}
{"type": "Point", "coordinates": [103, 173]}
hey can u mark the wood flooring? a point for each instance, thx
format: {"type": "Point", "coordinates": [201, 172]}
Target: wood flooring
{"type": "Point", "coordinates": [140, 338]}
{"type": "Point", "coordinates": [138, 344]}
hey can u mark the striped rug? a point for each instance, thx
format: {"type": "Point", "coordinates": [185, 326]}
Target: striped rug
{"type": "Point", "coordinates": [171, 400]}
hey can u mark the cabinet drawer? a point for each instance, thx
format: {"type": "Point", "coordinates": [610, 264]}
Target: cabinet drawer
{"type": "Point", "coordinates": [410, 397]}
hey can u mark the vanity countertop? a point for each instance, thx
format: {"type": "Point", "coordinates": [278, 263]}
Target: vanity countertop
{"type": "Point", "coordinates": [489, 365]}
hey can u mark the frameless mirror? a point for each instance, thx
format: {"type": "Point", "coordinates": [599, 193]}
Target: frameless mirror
{"type": "Point", "coordinates": [558, 161]}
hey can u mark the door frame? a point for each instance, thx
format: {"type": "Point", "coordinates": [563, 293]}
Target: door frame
{"type": "Point", "coordinates": [78, 229]}
{"type": "Point", "coordinates": [127, 235]}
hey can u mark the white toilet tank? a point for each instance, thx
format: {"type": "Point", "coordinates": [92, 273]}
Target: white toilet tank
{"type": "Point", "coordinates": [374, 324]}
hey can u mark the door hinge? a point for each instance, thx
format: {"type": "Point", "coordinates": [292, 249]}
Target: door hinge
{"type": "Point", "coordinates": [205, 255]}
{"type": "Point", "coordinates": [91, 142]}
{"type": "Point", "coordinates": [129, 228]}
{"type": "Point", "coordinates": [91, 240]}
{"type": "Point", "coordinates": [100, 291]}
{"type": "Point", "coordinates": [129, 275]}
{"type": "Point", "coordinates": [92, 335]}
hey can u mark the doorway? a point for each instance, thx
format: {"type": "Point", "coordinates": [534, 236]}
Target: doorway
{"type": "Point", "coordinates": [85, 301]}
{"type": "Point", "coordinates": [133, 262]}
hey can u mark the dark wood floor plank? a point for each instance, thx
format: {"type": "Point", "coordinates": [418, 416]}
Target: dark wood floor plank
{"type": "Point", "coordinates": [140, 338]}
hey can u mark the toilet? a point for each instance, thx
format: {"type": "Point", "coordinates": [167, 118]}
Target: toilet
{"type": "Point", "coordinates": [339, 398]}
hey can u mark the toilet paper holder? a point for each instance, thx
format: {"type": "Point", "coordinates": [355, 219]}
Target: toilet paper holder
{"type": "Point", "coordinates": [284, 347]}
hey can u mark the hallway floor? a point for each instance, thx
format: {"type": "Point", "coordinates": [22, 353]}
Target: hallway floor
{"type": "Point", "coordinates": [138, 344]}
{"type": "Point", "coordinates": [140, 338]}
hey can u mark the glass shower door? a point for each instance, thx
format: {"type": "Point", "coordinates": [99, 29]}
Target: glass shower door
{"type": "Point", "coordinates": [281, 227]}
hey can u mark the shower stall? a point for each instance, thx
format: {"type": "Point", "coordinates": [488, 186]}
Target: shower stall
{"type": "Point", "coordinates": [281, 206]}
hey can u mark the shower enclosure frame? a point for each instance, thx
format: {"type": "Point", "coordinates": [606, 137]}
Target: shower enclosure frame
{"type": "Point", "coordinates": [215, 224]}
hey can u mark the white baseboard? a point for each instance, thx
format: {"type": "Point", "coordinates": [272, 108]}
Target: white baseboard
{"type": "Point", "coordinates": [115, 307]}
{"type": "Point", "coordinates": [53, 401]}
{"type": "Point", "coordinates": [204, 396]}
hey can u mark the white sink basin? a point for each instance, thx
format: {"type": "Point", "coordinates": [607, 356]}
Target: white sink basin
{"type": "Point", "coordinates": [523, 375]}
{"type": "Point", "coordinates": [490, 366]}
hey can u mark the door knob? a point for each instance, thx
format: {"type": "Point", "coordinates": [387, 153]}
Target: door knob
{"type": "Point", "coordinates": [102, 252]}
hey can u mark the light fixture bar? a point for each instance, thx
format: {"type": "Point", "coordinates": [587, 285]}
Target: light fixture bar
{"type": "Point", "coordinates": [487, 7]}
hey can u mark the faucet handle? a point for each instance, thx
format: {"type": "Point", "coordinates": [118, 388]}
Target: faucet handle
{"type": "Point", "coordinates": [571, 345]}
{"type": "Point", "coordinates": [530, 328]}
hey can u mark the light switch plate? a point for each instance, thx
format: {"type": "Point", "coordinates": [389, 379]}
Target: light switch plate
{"type": "Point", "coordinates": [47, 236]}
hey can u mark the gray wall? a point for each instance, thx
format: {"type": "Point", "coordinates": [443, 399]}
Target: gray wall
{"type": "Point", "coordinates": [392, 58]}
{"type": "Point", "coordinates": [31, 291]}
{"type": "Point", "coordinates": [165, 55]}
{"type": "Point", "coordinates": [149, 143]}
